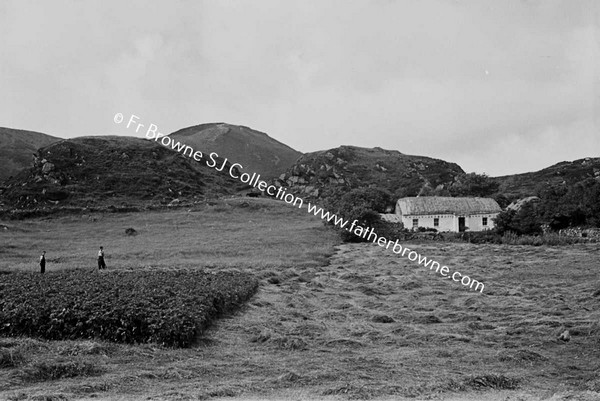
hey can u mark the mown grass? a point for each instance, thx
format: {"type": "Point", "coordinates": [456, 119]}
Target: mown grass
{"type": "Point", "coordinates": [351, 322]}
{"type": "Point", "coordinates": [53, 370]}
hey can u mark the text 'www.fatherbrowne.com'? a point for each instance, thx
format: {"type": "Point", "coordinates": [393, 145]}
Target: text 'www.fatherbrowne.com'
{"type": "Point", "coordinates": [370, 235]}
{"type": "Point", "coordinates": [278, 192]}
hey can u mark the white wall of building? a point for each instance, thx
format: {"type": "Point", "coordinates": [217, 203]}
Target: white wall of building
{"type": "Point", "coordinates": [449, 222]}
{"type": "Point", "coordinates": [475, 222]}
{"type": "Point", "coordinates": [445, 221]}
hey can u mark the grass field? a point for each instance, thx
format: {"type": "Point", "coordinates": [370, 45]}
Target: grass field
{"type": "Point", "coordinates": [330, 320]}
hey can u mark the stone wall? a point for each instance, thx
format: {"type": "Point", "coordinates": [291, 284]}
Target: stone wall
{"type": "Point", "coordinates": [580, 232]}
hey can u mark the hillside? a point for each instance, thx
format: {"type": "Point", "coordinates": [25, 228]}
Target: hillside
{"type": "Point", "coordinates": [564, 173]}
{"type": "Point", "coordinates": [351, 167]}
{"type": "Point", "coordinates": [17, 147]}
{"type": "Point", "coordinates": [111, 171]}
{"type": "Point", "coordinates": [254, 150]}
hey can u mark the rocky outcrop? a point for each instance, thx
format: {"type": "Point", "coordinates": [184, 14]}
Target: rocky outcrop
{"type": "Point", "coordinates": [104, 170]}
{"type": "Point", "coordinates": [517, 205]}
{"type": "Point", "coordinates": [16, 148]}
{"type": "Point", "coordinates": [351, 167]}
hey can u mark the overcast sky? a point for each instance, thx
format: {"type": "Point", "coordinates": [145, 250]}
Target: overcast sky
{"type": "Point", "coordinates": [499, 86]}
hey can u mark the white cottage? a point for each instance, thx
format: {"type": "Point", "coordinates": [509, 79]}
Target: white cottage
{"type": "Point", "coordinates": [446, 213]}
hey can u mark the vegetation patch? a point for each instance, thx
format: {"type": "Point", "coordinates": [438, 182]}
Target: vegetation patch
{"type": "Point", "coordinates": [522, 355]}
{"type": "Point", "coordinates": [49, 397]}
{"type": "Point", "coordinates": [10, 357]}
{"type": "Point", "coordinates": [497, 382]}
{"type": "Point", "coordinates": [169, 307]}
{"type": "Point", "coordinates": [90, 388]}
{"type": "Point", "coordinates": [54, 370]}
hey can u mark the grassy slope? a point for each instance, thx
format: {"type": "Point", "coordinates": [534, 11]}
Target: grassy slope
{"type": "Point", "coordinates": [569, 173]}
{"type": "Point", "coordinates": [309, 333]}
{"type": "Point", "coordinates": [254, 150]}
{"type": "Point", "coordinates": [98, 171]}
{"type": "Point", "coordinates": [17, 147]}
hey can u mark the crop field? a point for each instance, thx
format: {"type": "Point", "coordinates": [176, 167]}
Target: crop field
{"type": "Point", "coordinates": [165, 307]}
{"type": "Point", "coordinates": [329, 320]}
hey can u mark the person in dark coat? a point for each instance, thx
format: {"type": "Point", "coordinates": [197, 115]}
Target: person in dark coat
{"type": "Point", "coordinates": [43, 262]}
{"type": "Point", "coordinates": [101, 264]}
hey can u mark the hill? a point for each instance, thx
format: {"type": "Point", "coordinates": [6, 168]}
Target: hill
{"type": "Point", "coordinates": [254, 150]}
{"type": "Point", "coordinates": [561, 174]}
{"type": "Point", "coordinates": [316, 173]}
{"type": "Point", "coordinates": [17, 147]}
{"type": "Point", "coordinates": [111, 171]}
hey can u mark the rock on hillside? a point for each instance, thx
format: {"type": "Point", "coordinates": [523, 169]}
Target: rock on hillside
{"type": "Point", "coordinates": [564, 173]}
{"type": "Point", "coordinates": [352, 167]}
{"type": "Point", "coordinates": [17, 148]}
{"type": "Point", "coordinates": [254, 150]}
{"type": "Point", "coordinates": [518, 204]}
{"type": "Point", "coordinates": [111, 170]}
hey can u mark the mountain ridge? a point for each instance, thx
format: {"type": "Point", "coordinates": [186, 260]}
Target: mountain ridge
{"type": "Point", "coordinates": [255, 150]}
{"type": "Point", "coordinates": [562, 173]}
{"type": "Point", "coordinates": [310, 175]}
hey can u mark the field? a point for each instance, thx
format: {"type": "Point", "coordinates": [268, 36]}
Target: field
{"type": "Point", "coordinates": [167, 307]}
{"type": "Point", "coordinates": [329, 321]}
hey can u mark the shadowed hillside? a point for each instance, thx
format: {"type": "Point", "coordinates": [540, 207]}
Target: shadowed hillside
{"type": "Point", "coordinates": [564, 173]}
{"type": "Point", "coordinates": [17, 147]}
{"type": "Point", "coordinates": [352, 167]}
{"type": "Point", "coordinates": [254, 150]}
{"type": "Point", "coordinates": [111, 171]}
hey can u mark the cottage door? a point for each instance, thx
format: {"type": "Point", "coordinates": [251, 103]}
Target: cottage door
{"type": "Point", "coordinates": [461, 224]}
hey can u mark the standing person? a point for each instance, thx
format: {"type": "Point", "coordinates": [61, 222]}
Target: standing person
{"type": "Point", "coordinates": [43, 262]}
{"type": "Point", "coordinates": [101, 264]}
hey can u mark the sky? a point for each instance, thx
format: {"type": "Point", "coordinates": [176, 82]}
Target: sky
{"type": "Point", "coordinates": [499, 87]}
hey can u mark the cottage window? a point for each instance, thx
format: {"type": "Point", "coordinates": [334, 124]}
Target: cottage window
{"type": "Point", "coordinates": [436, 222]}
{"type": "Point", "coordinates": [484, 221]}
{"type": "Point", "coordinates": [415, 223]}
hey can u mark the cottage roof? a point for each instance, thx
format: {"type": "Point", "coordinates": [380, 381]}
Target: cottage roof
{"type": "Point", "coordinates": [446, 205]}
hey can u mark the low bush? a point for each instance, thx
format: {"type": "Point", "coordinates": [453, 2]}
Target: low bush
{"type": "Point", "coordinates": [364, 206]}
{"type": "Point", "coordinates": [166, 307]}
{"type": "Point", "coordinates": [484, 237]}
{"type": "Point", "coordinates": [525, 221]}
{"type": "Point", "coordinates": [510, 238]}
{"type": "Point", "coordinates": [498, 382]}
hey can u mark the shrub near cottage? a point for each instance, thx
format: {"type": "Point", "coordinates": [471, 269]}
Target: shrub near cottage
{"type": "Point", "coordinates": [364, 206]}
{"type": "Point", "coordinates": [165, 307]}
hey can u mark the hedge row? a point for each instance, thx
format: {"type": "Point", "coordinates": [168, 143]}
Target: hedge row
{"type": "Point", "coordinates": [166, 307]}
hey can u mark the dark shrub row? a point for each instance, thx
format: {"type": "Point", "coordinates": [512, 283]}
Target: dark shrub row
{"type": "Point", "coordinates": [165, 307]}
